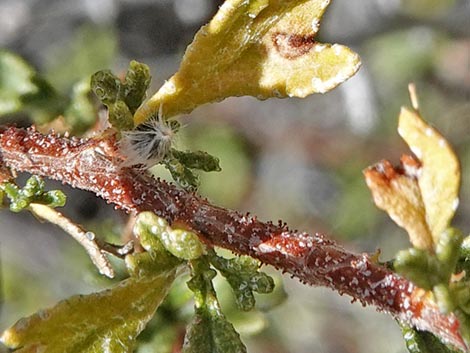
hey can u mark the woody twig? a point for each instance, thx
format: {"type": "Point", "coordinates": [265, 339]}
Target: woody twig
{"type": "Point", "coordinates": [94, 165]}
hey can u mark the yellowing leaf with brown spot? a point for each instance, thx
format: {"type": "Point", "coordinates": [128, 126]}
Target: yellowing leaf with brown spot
{"type": "Point", "coordinates": [439, 179]}
{"type": "Point", "coordinates": [396, 191]}
{"type": "Point", "coordinates": [107, 321]}
{"type": "Point", "coordinates": [261, 48]}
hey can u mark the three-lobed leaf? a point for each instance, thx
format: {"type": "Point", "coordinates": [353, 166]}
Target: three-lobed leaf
{"type": "Point", "coordinates": [259, 48]}
{"type": "Point", "coordinates": [243, 275]}
{"type": "Point", "coordinates": [209, 331]}
{"type": "Point", "coordinates": [122, 97]}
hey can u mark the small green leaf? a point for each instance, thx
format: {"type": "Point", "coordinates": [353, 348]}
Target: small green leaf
{"type": "Point", "coordinates": [419, 266]}
{"type": "Point", "coordinates": [17, 203]}
{"type": "Point", "coordinates": [182, 175]}
{"type": "Point", "coordinates": [106, 86]}
{"type": "Point", "coordinates": [255, 47]}
{"type": "Point", "coordinates": [444, 298]}
{"type": "Point", "coordinates": [120, 116]}
{"type": "Point", "coordinates": [135, 85]}
{"type": "Point", "coordinates": [122, 98]}
{"type": "Point", "coordinates": [147, 227]}
{"type": "Point", "coordinates": [34, 187]}
{"type": "Point", "coordinates": [53, 198]}
{"type": "Point", "coordinates": [209, 331]}
{"type": "Point", "coordinates": [242, 273]}
{"type": "Point", "coordinates": [422, 341]}
{"type": "Point", "coordinates": [448, 250]}
{"type": "Point", "coordinates": [197, 160]}
{"type": "Point", "coordinates": [180, 243]}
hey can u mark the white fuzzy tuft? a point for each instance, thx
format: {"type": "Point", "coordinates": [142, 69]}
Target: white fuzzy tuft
{"type": "Point", "coordinates": [147, 144]}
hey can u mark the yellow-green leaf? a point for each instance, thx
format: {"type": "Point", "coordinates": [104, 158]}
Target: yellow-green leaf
{"type": "Point", "coordinates": [108, 321]}
{"type": "Point", "coordinates": [396, 191]}
{"type": "Point", "coordinates": [439, 177]}
{"type": "Point", "coordinates": [255, 47]}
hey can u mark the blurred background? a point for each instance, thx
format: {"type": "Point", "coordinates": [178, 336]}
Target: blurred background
{"type": "Point", "coordinates": [299, 160]}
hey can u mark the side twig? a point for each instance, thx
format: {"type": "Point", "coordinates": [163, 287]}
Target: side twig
{"type": "Point", "coordinates": [94, 165]}
{"type": "Point", "coordinates": [86, 239]}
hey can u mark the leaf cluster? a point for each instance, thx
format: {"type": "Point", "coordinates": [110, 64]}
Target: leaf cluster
{"type": "Point", "coordinates": [32, 192]}
{"type": "Point", "coordinates": [105, 321]}
{"type": "Point", "coordinates": [113, 318]}
{"type": "Point", "coordinates": [222, 54]}
{"type": "Point", "coordinates": [122, 98]}
{"type": "Point", "coordinates": [242, 273]}
{"type": "Point", "coordinates": [209, 331]}
{"type": "Point", "coordinates": [421, 195]}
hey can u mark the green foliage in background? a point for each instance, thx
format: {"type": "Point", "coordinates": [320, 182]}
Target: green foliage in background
{"type": "Point", "coordinates": [90, 49]}
{"type": "Point", "coordinates": [22, 88]}
{"type": "Point", "coordinates": [63, 90]}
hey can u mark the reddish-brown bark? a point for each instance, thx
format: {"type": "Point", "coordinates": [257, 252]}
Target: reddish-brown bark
{"type": "Point", "coordinates": [95, 165]}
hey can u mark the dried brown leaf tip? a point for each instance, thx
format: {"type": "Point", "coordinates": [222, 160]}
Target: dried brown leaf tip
{"type": "Point", "coordinates": [396, 191]}
{"type": "Point", "coordinates": [420, 195]}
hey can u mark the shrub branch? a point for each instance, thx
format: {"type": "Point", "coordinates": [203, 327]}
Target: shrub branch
{"type": "Point", "coordinates": [95, 165]}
